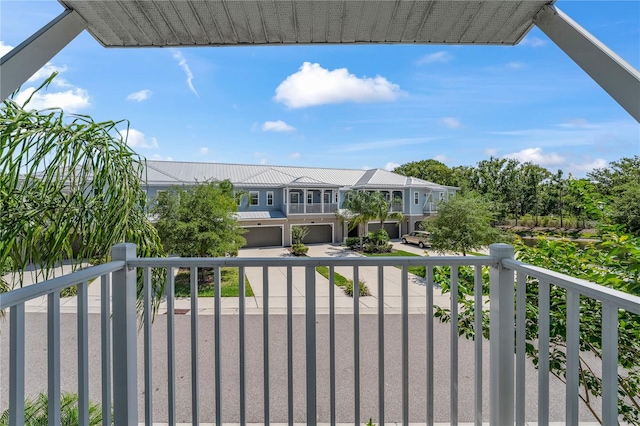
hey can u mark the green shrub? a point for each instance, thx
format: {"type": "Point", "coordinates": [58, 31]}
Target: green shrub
{"type": "Point", "coordinates": [378, 248]}
{"type": "Point", "coordinates": [35, 411]}
{"type": "Point", "coordinates": [348, 288]}
{"type": "Point", "coordinates": [299, 249]}
{"type": "Point", "coordinates": [354, 242]}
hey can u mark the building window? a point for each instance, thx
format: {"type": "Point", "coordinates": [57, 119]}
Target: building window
{"type": "Point", "coordinates": [255, 198]}
{"type": "Point", "coordinates": [269, 198]}
{"type": "Point", "coordinates": [442, 196]}
{"type": "Point", "coordinates": [294, 197]}
{"type": "Point", "coordinates": [309, 197]}
{"type": "Point", "coordinates": [336, 197]}
{"type": "Point", "coordinates": [416, 198]}
{"type": "Point", "coordinates": [327, 198]}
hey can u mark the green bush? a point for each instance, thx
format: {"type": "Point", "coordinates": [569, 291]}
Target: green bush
{"type": "Point", "coordinates": [377, 248]}
{"type": "Point", "coordinates": [35, 411]}
{"type": "Point", "coordinates": [348, 288]}
{"type": "Point", "coordinates": [299, 249]}
{"type": "Point", "coordinates": [377, 242]}
{"type": "Point", "coordinates": [354, 242]}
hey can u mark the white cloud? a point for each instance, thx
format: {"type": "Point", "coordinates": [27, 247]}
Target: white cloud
{"type": "Point", "coordinates": [573, 123]}
{"type": "Point", "coordinates": [263, 161]}
{"type": "Point", "coordinates": [537, 156]}
{"type": "Point", "coordinates": [72, 100]}
{"type": "Point", "coordinates": [294, 155]}
{"type": "Point", "coordinates": [140, 95]}
{"type": "Point", "coordinates": [391, 165]}
{"type": "Point", "coordinates": [492, 152]}
{"type": "Point", "coordinates": [450, 122]}
{"type": "Point", "coordinates": [384, 144]}
{"type": "Point", "coordinates": [4, 48]}
{"type": "Point", "coordinates": [137, 139]}
{"type": "Point", "coordinates": [442, 158]}
{"type": "Point", "coordinates": [586, 166]}
{"type": "Point", "coordinates": [161, 158]}
{"type": "Point", "coordinates": [515, 65]}
{"type": "Point", "coordinates": [277, 126]}
{"type": "Point", "coordinates": [177, 55]}
{"type": "Point", "coordinates": [441, 56]}
{"type": "Point", "coordinates": [46, 71]}
{"type": "Point", "coordinates": [204, 150]}
{"type": "Point", "coordinates": [313, 85]}
{"type": "Point", "coordinates": [532, 41]}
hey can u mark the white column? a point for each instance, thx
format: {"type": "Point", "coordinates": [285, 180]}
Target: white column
{"type": "Point", "coordinates": [304, 199]}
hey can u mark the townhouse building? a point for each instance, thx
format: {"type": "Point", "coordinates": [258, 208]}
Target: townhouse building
{"type": "Point", "coordinates": [280, 197]}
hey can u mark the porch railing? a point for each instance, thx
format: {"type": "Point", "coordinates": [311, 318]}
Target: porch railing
{"type": "Point", "coordinates": [317, 208]}
{"type": "Point", "coordinates": [507, 390]}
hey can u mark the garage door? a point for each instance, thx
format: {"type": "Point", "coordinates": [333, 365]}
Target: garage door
{"type": "Point", "coordinates": [391, 228]}
{"type": "Point", "coordinates": [319, 234]}
{"type": "Point", "coordinates": [263, 236]}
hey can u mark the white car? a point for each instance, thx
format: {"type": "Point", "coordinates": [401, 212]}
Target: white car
{"type": "Point", "coordinates": [421, 238]}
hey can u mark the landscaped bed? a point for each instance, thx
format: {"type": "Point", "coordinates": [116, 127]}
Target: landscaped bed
{"type": "Point", "coordinates": [228, 283]}
{"type": "Point", "coordinates": [343, 282]}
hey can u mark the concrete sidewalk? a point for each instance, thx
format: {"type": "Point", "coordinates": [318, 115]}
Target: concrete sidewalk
{"type": "Point", "coordinates": [278, 288]}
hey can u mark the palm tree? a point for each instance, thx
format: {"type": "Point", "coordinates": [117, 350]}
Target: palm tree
{"type": "Point", "coordinates": [383, 209]}
{"type": "Point", "coordinates": [361, 207]}
{"type": "Point", "coordinates": [70, 188]}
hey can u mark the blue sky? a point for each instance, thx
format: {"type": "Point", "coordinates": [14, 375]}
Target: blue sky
{"type": "Point", "coordinates": [350, 106]}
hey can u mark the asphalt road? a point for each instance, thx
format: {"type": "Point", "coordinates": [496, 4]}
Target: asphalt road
{"type": "Point", "coordinates": [36, 374]}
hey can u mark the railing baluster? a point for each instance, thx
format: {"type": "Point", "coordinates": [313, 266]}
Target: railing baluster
{"type": "Point", "coordinates": [521, 316]}
{"type": "Point", "coordinates": [83, 354]}
{"type": "Point", "coordinates": [148, 349]}
{"type": "Point", "coordinates": [265, 340]}
{"type": "Point", "coordinates": [453, 398]}
{"type": "Point", "coordinates": [171, 347]}
{"type": "Point", "coordinates": [609, 364]}
{"type": "Point", "coordinates": [405, 345]}
{"type": "Point", "coordinates": [105, 334]}
{"type": "Point", "coordinates": [290, 345]}
{"type": "Point", "coordinates": [381, 345]}
{"type": "Point", "coordinates": [310, 329]}
{"type": "Point", "coordinates": [356, 345]}
{"type": "Point", "coordinates": [429, 342]}
{"type": "Point", "coordinates": [477, 294]}
{"type": "Point", "coordinates": [332, 347]}
{"type": "Point", "coordinates": [543, 353]}
{"type": "Point", "coordinates": [195, 394]}
{"type": "Point", "coordinates": [573, 352]}
{"type": "Point", "coordinates": [53, 359]}
{"type": "Point", "coordinates": [16, 364]}
{"type": "Point", "coordinates": [217, 354]}
{"type": "Point", "coordinates": [241, 325]}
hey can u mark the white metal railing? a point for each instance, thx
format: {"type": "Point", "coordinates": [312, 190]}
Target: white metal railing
{"type": "Point", "coordinates": [506, 389]}
{"type": "Point", "coordinates": [430, 207]}
{"type": "Point", "coordinates": [316, 208]}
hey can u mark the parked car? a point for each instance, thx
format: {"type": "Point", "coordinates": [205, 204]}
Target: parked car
{"type": "Point", "coordinates": [421, 238]}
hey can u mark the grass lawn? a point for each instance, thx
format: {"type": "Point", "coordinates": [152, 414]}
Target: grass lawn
{"type": "Point", "coordinates": [341, 281]}
{"type": "Point", "coordinates": [228, 281]}
{"type": "Point", "coordinates": [415, 270]}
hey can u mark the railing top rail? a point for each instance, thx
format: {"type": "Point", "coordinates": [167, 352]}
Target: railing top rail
{"type": "Point", "coordinates": [595, 291]}
{"type": "Point", "coordinates": [21, 295]}
{"type": "Point", "coordinates": [313, 261]}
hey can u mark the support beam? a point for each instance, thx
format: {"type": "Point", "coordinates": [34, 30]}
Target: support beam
{"type": "Point", "coordinates": [618, 78]}
{"type": "Point", "coordinates": [24, 60]}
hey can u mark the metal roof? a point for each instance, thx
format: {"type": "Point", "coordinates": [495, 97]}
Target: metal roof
{"type": "Point", "coordinates": [161, 23]}
{"type": "Point", "coordinates": [250, 175]}
{"type": "Point", "coordinates": [261, 214]}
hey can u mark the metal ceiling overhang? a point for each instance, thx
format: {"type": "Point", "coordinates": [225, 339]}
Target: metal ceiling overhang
{"type": "Point", "coordinates": [176, 23]}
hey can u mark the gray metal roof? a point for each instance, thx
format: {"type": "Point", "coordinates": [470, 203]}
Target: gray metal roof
{"type": "Point", "coordinates": [159, 23]}
{"type": "Point", "coordinates": [262, 214]}
{"type": "Point", "coordinates": [251, 176]}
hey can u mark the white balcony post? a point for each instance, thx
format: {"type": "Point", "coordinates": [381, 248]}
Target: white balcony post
{"type": "Point", "coordinates": [502, 337]}
{"type": "Point", "coordinates": [125, 370]}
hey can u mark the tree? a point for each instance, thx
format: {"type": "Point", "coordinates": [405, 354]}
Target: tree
{"type": "Point", "coordinates": [70, 188]}
{"type": "Point", "coordinates": [615, 263]}
{"type": "Point", "coordinates": [463, 224]}
{"type": "Point", "coordinates": [382, 209]}
{"type": "Point", "coordinates": [358, 210]}
{"type": "Point", "coordinates": [298, 233]}
{"type": "Point", "coordinates": [430, 170]}
{"type": "Point", "coordinates": [199, 221]}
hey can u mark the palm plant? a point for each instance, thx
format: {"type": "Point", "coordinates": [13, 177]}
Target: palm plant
{"type": "Point", "coordinates": [359, 208]}
{"type": "Point", "coordinates": [70, 188]}
{"type": "Point", "coordinates": [383, 208]}
{"type": "Point", "coordinates": [36, 411]}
